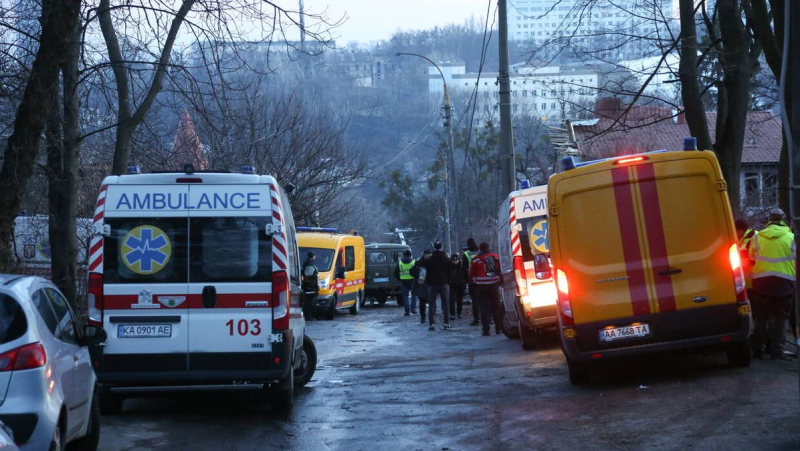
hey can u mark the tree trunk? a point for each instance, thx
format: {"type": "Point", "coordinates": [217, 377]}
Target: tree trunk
{"type": "Point", "coordinates": [62, 163]}
{"type": "Point", "coordinates": [58, 20]}
{"type": "Point", "coordinates": [695, 111]}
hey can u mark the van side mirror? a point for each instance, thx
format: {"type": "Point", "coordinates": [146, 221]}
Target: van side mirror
{"type": "Point", "coordinates": [541, 266]}
{"type": "Point", "coordinates": [340, 272]}
{"type": "Point", "coordinates": [93, 335]}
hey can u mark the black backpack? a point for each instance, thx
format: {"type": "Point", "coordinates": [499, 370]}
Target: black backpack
{"type": "Point", "coordinates": [491, 265]}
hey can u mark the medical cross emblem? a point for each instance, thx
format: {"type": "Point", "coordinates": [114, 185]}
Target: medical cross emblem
{"type": "Point", "coordinates": [539, 238]}
{"type": "Point", "coordinates": [146, 250]}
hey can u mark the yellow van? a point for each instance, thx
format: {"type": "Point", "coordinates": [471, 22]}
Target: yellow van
{"type": "Point", "coordinates": [646, 259]}
{"type": "Point", "coordinates": [340, 261]}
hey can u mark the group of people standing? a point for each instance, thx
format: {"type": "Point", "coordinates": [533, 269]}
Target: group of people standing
{"type": "Point", "coordinates": [437, 275]}
{"type": "Point", "coordinates": [768, 256]}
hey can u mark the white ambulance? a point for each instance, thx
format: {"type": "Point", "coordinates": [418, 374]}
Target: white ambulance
{"type": "Point", "coordinates": [528, 292]}
{"type": "Point", "coordinates": [195, 277]}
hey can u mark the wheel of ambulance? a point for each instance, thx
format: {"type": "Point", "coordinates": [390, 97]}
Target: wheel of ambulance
{"type": "Point", "coordinates": [509, 330]}
{"type": "Point", "coordinates": [382, 298]}
{"type": "Point", "coordinates": [110, 404]}
{"type": "Point", "coordinates": [740, 354]}
{"type": "Point", "coordinates": [308, 363]}
{"type": "Point", "coordinates": [283, 394]}
{"type": "Point", "coordinates": [529, 339]}
{"type": "Point", "coordinates": [331, 313]}
{"type": "Point", "coordinates": [357, 306]}
{"type": "Point", "coordinates": [90, 441]}
{"type": "Point", "coordinates": [579, 373]}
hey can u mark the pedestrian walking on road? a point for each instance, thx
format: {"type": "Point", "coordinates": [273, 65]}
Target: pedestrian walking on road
{"type": "Point", "coordinates": [484, 273]}
{"type": "Point", "coordinates": [403, 274]}
{"type": "Point", "coordinates": [420, 286]}
{"type": "Point", "coordinates": [438, 278]}
{"type": "Point", "coordinates": [309, 285]}
{"type": "Point", "coordinates": [773, 252]}
{"type": "Point", "coordinates": [458, 283]}
{"type": "Point", "coordinates": [472, 251]}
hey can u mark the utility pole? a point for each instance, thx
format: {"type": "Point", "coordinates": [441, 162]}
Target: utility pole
{"type": "Point", "coordinates": [448, 123]}
{"type": "Point", "coordinates": [506, 136]}
{"type": "Point", "coordinates": [302, 27]}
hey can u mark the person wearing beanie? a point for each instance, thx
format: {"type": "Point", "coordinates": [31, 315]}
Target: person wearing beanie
{"type": "Point", "coordinates": [438, 274]}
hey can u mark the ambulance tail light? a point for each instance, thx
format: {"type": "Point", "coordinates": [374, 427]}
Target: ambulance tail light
{"type": "Point", "coordinates": [280, 298]}
{"type": "Point", "coordinates": [95, 299]}
{"type": "Point", "coordinates": [738, 273]}
{"type": "Point", "coordinates": [519, 275]}
{"type": "Point", "coordinates": [564, 301]}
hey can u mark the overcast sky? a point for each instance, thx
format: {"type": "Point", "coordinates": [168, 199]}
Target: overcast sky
{"type": "Point", "coordinates": [373, 20]}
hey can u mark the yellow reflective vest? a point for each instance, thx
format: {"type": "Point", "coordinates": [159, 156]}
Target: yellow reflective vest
{"type": "Point", "coordinates": [773, 250]}
{"type": "Point", "coordinates": [405, 270]}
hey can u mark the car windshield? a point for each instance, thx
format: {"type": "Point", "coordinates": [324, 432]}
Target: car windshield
{"type": "Point", "coordinates": [12, 319]}
{"type": "Point", "coordinates": [323, 258]}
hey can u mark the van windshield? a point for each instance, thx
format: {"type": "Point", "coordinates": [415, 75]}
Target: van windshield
{"type": "Point", "coordinates": [534, 236]}
{"type": "Point", "coordinates": [323, 258]}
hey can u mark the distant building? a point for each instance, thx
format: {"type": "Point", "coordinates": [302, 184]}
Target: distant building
{"type": "Point", "coordinates": [648, 128]}
{"type": "Point", "coordinates": [548, 91]}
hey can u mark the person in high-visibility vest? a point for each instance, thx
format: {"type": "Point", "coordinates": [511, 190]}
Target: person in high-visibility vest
{"type": "Point", "coordinates": [773, 251]}
{"type": "Point", "coordinates": [403, 273]}
{"type": "Point", "coordinates": [745, 235]}
{"type": "Point", "coordinates": [469, 254]}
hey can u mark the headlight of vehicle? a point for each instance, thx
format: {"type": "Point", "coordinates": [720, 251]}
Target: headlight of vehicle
{"type": "Point", "coordinates": [323, 283]}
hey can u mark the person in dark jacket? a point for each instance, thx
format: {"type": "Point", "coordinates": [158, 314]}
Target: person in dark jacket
{"type": "Point", "coordinates": [309, 284]}
{"type": "Point", "coordinates": [420, 287]}
{"type": "Point", "coordinates": [403, 274]}
{"type": "Point", "coordinates": [458, 283]}
{"type": "Point", "coordinates": [438, 278]}
{"type": "Point", "coordinates": [469, 254]}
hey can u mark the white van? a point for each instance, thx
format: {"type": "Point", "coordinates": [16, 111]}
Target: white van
{"type": "Point", "coordinates": [195, 277]}
{"type": "Point", "coordinates": [528, 293]}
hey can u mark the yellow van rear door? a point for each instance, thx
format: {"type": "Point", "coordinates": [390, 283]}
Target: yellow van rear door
{"type": "Point", "coordinates": [686, 219]}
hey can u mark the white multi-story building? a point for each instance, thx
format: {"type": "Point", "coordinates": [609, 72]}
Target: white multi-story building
{"type": "Point", "coordinates": [551, 92]}
{"type": "Point", "coordinates": [593, 21]}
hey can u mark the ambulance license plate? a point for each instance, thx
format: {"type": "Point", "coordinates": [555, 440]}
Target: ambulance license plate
{"type": "Point", "coordinates": [144, 331]}
{"type": "Point", "coordinates": [622, 333]}
{"type": "Point", "coordinates": [380, 279]}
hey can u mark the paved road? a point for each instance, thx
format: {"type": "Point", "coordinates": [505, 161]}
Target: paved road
{"type": "Point", "coordinates": [384, 381]}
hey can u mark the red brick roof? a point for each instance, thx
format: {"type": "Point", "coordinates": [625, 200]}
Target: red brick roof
{"type": "Point", "coordinates": [647, 128]}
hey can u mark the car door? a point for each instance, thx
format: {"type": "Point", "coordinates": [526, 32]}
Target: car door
{"type": "Point", "coordinates": [79, 385]}
{"type": "Point", "coordinates": [230, 279]}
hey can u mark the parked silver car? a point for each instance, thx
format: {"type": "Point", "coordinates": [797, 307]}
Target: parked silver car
{"type": "Point", "coordinates": [48, 389]}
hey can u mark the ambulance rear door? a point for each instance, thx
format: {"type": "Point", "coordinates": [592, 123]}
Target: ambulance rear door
{"type": "Point", "coordinates": [230, 278]}
{"type": "Point", "coordinates": [145, 264]}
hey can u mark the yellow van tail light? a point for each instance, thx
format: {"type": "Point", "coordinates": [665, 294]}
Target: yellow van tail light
{"type": "Point", "coordinates": [738, 273]}
{"type": "Point", "coordinates": [564, 301]}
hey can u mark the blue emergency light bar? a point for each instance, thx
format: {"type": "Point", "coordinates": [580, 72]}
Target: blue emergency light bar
{"type": "Point", "coordinates": [134, 170]}
{"type": "Point", "coordinates": [248, 169]}
{"type": "Point", "coordinates": [318, 229]}
{"type": "Point", "coordinates": [524, 184]}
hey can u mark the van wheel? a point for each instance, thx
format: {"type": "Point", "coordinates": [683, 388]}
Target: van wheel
{"type": "Point", "coordinates": [331, 313]}
{"type": "Point", "coordinates": [283, 394]}
{"type": "Point", "coordinates": [89, 441]}
{"type": "Point", "coordinates": [579, 373]}
{"type": "Point", "coordinates": [382, 299]}
{"type": "Point", "coordinates": [509, 330]}
{"type": "Point", "coordinates": [308, 363]}
{"type": "Point", "coordinates": [740, 355]}
{"type": "Point", "coordinates": [357, 306]}
{"type": "Point", "coordinates": [110, 404]}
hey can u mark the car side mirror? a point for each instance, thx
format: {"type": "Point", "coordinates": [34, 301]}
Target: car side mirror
{"type": "Point", "coordinates": [541, 266]}
{"type": "Point", "coordinates": [93, 335]}
{"type": "Point", "coordinates": [340, 272]}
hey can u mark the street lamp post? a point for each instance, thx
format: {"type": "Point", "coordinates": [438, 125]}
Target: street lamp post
{"type": "Point", "coordinates": [449, 165]}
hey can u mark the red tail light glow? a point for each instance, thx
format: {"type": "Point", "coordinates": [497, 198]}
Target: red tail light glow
{"type": "Point", "coordinates": [738, 273]}
{"type": "Point", "coordinates": [519, 275]}
{"type": "Point", "coordinates": [280, 298]}
{"type": "Point", "coordinates": [564, 301]}
{"type": "Point", "coordinates": [23, 358]}
{"type": "Point", "coordinates": [95, 299]}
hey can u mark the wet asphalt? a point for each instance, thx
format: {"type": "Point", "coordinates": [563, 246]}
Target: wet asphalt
{"type": "Point", "coordinates": [385, 382]}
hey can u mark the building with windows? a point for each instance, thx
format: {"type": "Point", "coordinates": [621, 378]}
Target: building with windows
{"type": "Point", "coordinates": [551, 92]}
